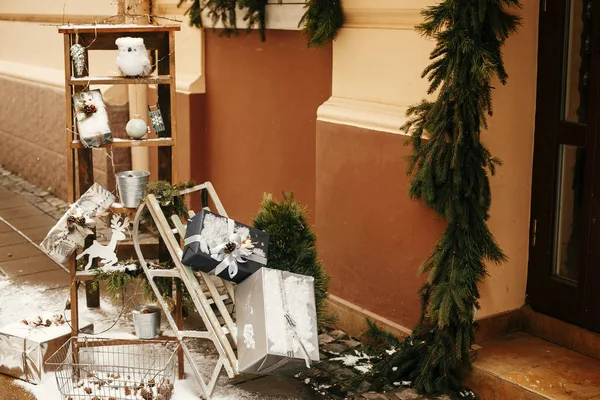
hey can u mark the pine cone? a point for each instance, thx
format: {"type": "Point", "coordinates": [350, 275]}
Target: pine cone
{"type": "Point", "coordinates": [89, 109]}
{"type": "Point", "coordinates": [230, 247]}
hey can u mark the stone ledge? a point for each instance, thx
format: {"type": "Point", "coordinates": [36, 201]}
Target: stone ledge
{"type": "Point", "coordinates": [382, 18]}
{"type": "Point", "coordinates": [352, 318]}
{"type": "Point", "coordinates": [363, 114]}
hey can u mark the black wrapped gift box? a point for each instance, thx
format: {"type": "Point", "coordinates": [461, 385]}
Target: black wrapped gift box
{"type": "Point", "coordinates": [207, 233]}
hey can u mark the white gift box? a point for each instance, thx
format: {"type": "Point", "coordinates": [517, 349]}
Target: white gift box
{"type": "Point", "coordinates": [60, 243]}
{"type": "Point", "coordinates": [24, 349]}
{"type": "Point", "coordinates": [276, 322]}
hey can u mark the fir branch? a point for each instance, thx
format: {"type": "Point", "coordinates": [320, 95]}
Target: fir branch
{"type": "Point", "coordinates": [321, 22]}
{"type": "Point", "coordinates": [450, 174]}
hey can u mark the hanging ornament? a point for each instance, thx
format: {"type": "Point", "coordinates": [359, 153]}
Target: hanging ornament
{"type": "Point", "coordinates": [78, 57]}
{"type": "Point", "coordinates": [156, 119]}
{"type": "Point", "coordinates": [136, 128]}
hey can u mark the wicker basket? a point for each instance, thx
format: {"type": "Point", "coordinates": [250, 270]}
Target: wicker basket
{"type": "Point", "coordinates": [109, 369]}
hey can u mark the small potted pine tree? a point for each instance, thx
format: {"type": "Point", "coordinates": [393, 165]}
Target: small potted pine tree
{"type": "Point", "coordinates": [293, 244]}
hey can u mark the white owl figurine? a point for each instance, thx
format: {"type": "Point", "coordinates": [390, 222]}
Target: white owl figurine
{"type": "Point", "coordinates": [133, 57]}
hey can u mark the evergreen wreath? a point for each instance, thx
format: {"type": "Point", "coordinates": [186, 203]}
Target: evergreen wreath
{"type": "Point", "coordinates": [321, 21]}
{"type": "Point", "coordinates": [449, 173]}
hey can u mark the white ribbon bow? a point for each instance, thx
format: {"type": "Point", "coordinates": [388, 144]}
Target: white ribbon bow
{"type": "Point", "coordinates": [229, 254]}
{"type": "Point", "coordinates": [236, 249]}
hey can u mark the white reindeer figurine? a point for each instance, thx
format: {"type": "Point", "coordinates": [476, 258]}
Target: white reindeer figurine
{"type": "Point", "coordinates": [107, 253]}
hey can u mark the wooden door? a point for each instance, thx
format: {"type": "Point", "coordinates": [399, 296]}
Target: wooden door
{"type": "Point", "coordinates": [563, 269]}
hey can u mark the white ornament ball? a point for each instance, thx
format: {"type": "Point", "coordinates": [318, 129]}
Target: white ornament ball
{"type": "Point", "coordinates": [136, 128]}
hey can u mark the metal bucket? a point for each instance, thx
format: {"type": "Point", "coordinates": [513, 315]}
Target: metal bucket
{"type": "Point", "coordinates": [132, 187]}
{"type": "Point", "coordinates": [146, 320]}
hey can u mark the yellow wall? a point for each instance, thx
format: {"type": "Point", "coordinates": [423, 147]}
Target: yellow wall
{"type": "Point", "coordinates": [510, 137]}
{"type": "Point", "coordinates": [377, 62]}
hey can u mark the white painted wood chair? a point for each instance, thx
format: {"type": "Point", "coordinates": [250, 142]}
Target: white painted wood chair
{"type": "Point", "coordinates": [202, 287]}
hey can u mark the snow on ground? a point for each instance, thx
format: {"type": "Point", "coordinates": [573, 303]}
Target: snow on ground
{"type": "Point", "coordinates": [359, 361]}
{"type": "Point", "coordinates": [29, 302]}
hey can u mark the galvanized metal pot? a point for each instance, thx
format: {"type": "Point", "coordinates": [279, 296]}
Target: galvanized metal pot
{"type": "Point", "coordinates": [132, 187]}
{"type": "Point", "coordinates": [146, 320]}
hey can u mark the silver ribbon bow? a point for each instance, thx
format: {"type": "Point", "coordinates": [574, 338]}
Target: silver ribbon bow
{"type": "Point", "coordinates": [236, 249]}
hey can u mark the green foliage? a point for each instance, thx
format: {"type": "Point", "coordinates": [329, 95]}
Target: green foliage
{"type": "Point", "coordinates": [450, 174]}
{"type": "Point", "coordinates": [292, 243]}
{"type": "Point", "coordinates": [169, 200]}
{"type": "Point", "coordinates": [114, 282]}
{"type": "Point", "coordinates": [256, 15]}
{"type": "Point", "coordinates": [377, 340]}
{"type": "Point", "coordinates": [322, 19]}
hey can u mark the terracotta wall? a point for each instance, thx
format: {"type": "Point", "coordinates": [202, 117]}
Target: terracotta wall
{"type": "Point", "coordinates": [260, 112]}
{"type": "Point", "coordinates": [372, 237]}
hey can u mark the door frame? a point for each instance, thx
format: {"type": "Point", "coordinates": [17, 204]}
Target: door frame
{"type": "Point", "coordinates": [569, 301]}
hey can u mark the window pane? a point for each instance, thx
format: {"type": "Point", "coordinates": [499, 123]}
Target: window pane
{"type": "Point", "coordinates": [577, 62]}
{"type": "Point", "coordinates": [569, 205]}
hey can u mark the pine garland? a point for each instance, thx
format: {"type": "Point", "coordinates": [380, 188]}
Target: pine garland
{"type": "Point", "coordinates": [321, 21]}
{"type": "Point", "coordinates": [292, 244]}
{"type": "Point", "coordinates": [449, 173]}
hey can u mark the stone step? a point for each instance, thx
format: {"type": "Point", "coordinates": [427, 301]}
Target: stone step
{"type": "Point", "coordinates": [522, 366]}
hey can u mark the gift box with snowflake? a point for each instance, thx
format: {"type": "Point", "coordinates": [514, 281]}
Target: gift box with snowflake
{"type": "Point", "coordinates": [220, 245]}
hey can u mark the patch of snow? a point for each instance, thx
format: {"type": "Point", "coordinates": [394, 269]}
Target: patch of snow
{"type": "Point", "coordinates": [249, 336]}
{"type": "Point", "coordinates": [28, 302]}
{"type": "Point", "coordinates": [390, 352]}
{"type": "Point", "coordinates": [47, 389]}
{"type": "Point", "coordinates": [394, 368]}
{"type": "Point", "coordinates": [38, 334]}
{"type": "Point", "coordinates": [109, 269]}
{"type": "Point", "coordinates": [350, 360]}
{"type": "Point", "coordinates": [358, 361]}
{"type": "Point", "coordinates": [363, 368]}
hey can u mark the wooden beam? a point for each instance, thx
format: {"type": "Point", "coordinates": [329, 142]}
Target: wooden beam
{"type": "Point", "coordinates": [54, 19]}
{"type": "Point", "coordinates": [153, 142]}
{"type": "Point", "coordinates": [114, 80]}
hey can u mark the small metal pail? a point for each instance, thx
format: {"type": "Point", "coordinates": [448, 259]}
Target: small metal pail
{"type": "Point", "coordinates": [146, 320]}
{"type": "Point", "coordinates": [132, 187]}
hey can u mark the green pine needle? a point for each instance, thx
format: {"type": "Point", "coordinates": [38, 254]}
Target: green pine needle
{"type": "Point", "coordinates": [321, 22]}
